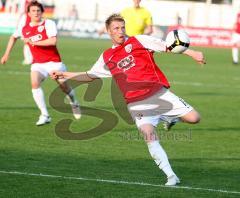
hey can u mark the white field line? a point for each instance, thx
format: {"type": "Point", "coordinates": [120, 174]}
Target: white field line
{"type": "Point", "coordinates": [117, 182]}
{"type": "Point", "coordinates": [236, 78]}
{"type": "Point", "coordinates": [194, 84]}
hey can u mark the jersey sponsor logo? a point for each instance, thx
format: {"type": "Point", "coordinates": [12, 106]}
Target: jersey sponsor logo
{"type": "Point", "coordinates": [128, 48]}
{"type": "Point", "coordinates": [36, 38]}
{"type": "Point", "coordinates": [40, 28]}
{"type": "Point", "coordinates": [126, 63]}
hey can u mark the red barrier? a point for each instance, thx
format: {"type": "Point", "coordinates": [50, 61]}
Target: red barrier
{"type": "Point", "coordinates": [207, 37]}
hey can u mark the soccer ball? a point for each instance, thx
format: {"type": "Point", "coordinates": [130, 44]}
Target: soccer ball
{"type": "Point", "coordinates": [177, 41]}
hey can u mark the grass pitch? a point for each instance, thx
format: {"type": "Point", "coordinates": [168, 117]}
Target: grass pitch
{"type": "Point", "coordinates": [205, 156]}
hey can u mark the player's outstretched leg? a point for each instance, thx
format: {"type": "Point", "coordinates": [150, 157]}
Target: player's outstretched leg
{"type": "Point", "coordinates": [71, 98]}
{"type": "Point", "coordinates": [158, 154]}
{"type": "Point", "coordinates": [38, 96]}
{"type": "Point", "coordinates": [192, 117]}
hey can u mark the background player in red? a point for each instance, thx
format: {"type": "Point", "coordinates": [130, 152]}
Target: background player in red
{"type": "Point", "coordinates": [41, 37]}
{"type": "Point", "coordinates": [145, 88]}
{"type": "Point", "coordinates": [236, 40]}
{"type": "Point", "coordinates": [23, 20]}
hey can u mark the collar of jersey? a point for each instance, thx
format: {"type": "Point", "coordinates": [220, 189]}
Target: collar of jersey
{"type": "Point", "coordinates": [30, 24]}
{"type": "Point", "coordinates": [114, 46]}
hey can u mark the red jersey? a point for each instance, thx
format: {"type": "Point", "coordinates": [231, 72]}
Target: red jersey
{"type": "Point", "coordinates": [41, 54]}
{"type": "Point", "coordinates": [237, 26]}
{"type": "Point", "coordinates": [134, 70]}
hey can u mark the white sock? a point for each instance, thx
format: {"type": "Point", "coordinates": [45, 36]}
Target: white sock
{"type": "Point", "coordinates": [235, 54]}
{"type": "Point", "coordinates": [71, 97]}
{"type": "Point", "coordinates": [38, 97]}
{"type": "Point", "coordinates": [160, 157]}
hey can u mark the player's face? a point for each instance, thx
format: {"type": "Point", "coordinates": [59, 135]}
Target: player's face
{"type": "Point", "coordinates": [116, 31]}
{"type": "Point", "coordinates": [35, 13]}
{"type": "Point", "coordinates": [136, 3]}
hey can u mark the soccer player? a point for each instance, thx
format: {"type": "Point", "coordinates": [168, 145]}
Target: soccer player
{"type": "Point", "coordinates": [23, 20]}
{"type": "Point", "coordinates": [236, 39]}
{"type": "Point", "coordinates": [145, 88]}
{"type": "Point", "coordinates": [138, 19]}
{"type": "Point", "coordinates": [41, 37]}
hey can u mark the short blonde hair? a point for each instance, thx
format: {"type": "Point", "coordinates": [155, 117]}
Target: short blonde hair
{"type": "Point", "coordinates": [113, 17]}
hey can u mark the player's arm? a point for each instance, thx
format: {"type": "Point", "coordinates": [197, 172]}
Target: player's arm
{"type": "Point", "coordinates": [98, 70]}
{"type": "Point", "coordinates": [158, 45]}
{"type": "Point", "coordinates": [11, 43]}
{"type": "Point", "coordinates": [47, 42]}
{"type": "Point", "coordinates": [148, 30]}
{"type": "Point", "coordinates": [77, 76]}
{"type": "Point", "coordinates": [12, 40]}
{"type": "Point", "coordinates": [152, 43]}
{"type": "Point", "coordinates": [196, 55]}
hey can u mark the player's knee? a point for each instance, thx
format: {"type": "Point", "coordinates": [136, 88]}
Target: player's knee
{"type": "Point", "coordinates": [192, 117]}
{"type": "Point", "coordinates": [148, 132]}
{"type": "Point", "coordinates": [35, 85]}
{"type": "Point", "coordinates": [195, 119]}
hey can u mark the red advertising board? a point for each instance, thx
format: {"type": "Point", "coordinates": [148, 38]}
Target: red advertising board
{"type": "Point", "coordinates": [207, 37]}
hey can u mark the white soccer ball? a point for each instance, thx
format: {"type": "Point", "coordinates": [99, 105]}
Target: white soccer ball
{"type": "Point", "coordinates": [177, 41]}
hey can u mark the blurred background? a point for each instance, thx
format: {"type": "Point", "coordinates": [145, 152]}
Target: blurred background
{"type": "Point", "coordinates": [35, 162]}
{"type": "Point", "coordinates": [209, 22]}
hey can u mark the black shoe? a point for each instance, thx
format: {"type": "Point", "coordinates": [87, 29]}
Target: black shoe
{"type": "Point", "coordinates": [168, 125]}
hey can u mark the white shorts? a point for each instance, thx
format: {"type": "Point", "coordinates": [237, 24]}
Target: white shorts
{"type": "Point", "coordinates": [46, 68]}
{"type": "Point", "coordinates": [162, 106]}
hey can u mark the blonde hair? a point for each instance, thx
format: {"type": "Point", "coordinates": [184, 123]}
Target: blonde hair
{"type": "Point", "coordinates": [113, 17]}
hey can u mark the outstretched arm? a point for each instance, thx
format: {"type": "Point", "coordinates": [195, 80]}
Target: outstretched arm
{"type": "Point", "coordinates": [148, 30]}
{"type": "Point", "coordinates": [98, 70]}
{"type": "Point", "coordinates": [11, 43]}
{"type": "Point", "coordinates": [77, 76]}
{"type": "Point", "coordinates": [196, 55]}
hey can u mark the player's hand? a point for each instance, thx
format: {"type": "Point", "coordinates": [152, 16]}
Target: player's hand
{"type": "Point", "coordinates": [199, 57]}
{"type": "Point", "coordinates": [4, 59]}
{"type": "Point", "coordinates": [28, 41]}
{"type": "Point", "coordinates": [55, 75]}
{"type": "Point", "coordinates": [196, 55]}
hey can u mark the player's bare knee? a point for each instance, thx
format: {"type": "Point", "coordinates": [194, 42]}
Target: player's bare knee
{"type": "Point", "coordinates": [35, 85]}
{"type": "Point", "coordinates": [195, 119]}
{"type": "Point", "coordinates": [192, 117]}
{"type": "Point", "coordinates": [148, 132]}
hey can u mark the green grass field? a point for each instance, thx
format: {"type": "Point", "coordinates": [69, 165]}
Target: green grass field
{"type": "Point", "coordinates": [35, 162]}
